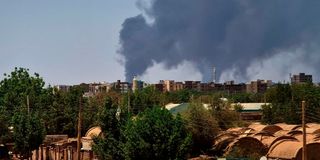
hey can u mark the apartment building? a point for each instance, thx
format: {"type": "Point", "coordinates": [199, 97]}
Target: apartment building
{"type": "Point", "coordinates": [301, 78]}
{"type": "Point", "coordinates": [258, 86]}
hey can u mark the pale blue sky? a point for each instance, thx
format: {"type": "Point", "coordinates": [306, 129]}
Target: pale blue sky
{"type": "Point", "coordinates": [66, 41]}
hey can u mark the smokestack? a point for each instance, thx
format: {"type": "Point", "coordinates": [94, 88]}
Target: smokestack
{"type": "Point", "coordinates": [290, 77]}
{"type": "Point", "coordinates": [214, 74]}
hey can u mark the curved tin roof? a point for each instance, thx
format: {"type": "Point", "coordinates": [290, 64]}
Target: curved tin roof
{"type": "Point", "coordinates": [94, 131]}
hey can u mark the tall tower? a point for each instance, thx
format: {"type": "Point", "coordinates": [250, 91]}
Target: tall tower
{"type": "Point", "coordinates": [214, 74]}
{"type": "Point", "coordinates": [290, 77]}
{"type": "Point", "coordinates": [134, 83]}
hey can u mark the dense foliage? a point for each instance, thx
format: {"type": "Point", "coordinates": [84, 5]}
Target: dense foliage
{"type": "Point", "coordinates": [4, 123]}
{"type": "Point", "coordinates": [286, 101]}
{"type": "Point", "coordinates": [223, 113]}
{"type": "Point", "coordinates": [28, 132]}
{"type": "Point", "coordinates": [111, 119]}
{"type": "Point", "coordinates": [203, 127]}
{"type": "Point", "coordinates": [156, 134]}
{"type": "Point", "coordinates": [20, 91]}
{"type": "Point", "coordinates": [132, 127]}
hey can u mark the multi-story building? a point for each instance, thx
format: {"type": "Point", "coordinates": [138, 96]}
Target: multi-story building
{"type": "Point", "coordinates": [168, 85]}
{"type": "Point", "coordinates": [64, 88]}
{"type": "Point", "coordinates": [159, 87]}
{"type": "Point", "coordinates": [231, 87]}
{"type": "Point", "coordinates": [259, 86]}
{"type": "Point", "coordinates": [205, 87]}
{"type": "Point", "coordinates": [122, 87]}
{"type": "Point", "coordinates": [95, 88]}
{"type": "Point", "coordinates": [193, 85]}
{"type": "Point", "coordinates": [178, 86]}
{"type": "Point", "coordinates": [301, 78]}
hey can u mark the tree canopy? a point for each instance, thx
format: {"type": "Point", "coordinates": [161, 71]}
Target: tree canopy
{"type": "Point", "coordinates": [286, 101]}
{"type": "Point", "coordinates": [156, 134]}
{"type": "Point", "coordinates": [203, 127]}
{"type": "Point", "coordinates": [20, 91]}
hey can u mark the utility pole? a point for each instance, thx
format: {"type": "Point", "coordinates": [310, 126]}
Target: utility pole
{"type": "Point", "coordinates": [304, 146]}
{"type": "Point", "coordinates": [79, 129]}
{"type": "Point", "coordinates": [129, 102]}
{"type": "Point", "coordinates": [28, 105]}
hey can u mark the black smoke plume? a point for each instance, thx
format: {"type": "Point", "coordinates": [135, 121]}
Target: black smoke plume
{"type": "Point", "coordinates": [224, 33]}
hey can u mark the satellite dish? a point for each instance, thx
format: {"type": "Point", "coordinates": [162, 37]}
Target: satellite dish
{"type": "Point", "coordinates": [263, 158]}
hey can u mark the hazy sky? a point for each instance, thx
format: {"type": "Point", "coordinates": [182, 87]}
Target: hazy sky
{"type": "Point", "coordinates": [66, 41]}
{"type": "Point", "coordinates": [74, 41]}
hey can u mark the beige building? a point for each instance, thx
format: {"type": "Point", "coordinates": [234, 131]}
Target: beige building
{"type": "Point", "coordinates": [168, 85]}
{"type": "Point", "coordinates": [137, 84]}
{"type": "Point", "coordinates": [178, 86]}
{"type": "Point", "coordinates": [259, 86]}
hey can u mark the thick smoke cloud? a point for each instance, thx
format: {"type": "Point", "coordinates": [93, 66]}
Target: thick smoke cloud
{"type": "Point", "coordinates": [233, 35]}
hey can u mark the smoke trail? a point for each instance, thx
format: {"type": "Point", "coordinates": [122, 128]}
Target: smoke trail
{"type": "Point", "coordinates": [232, 34]}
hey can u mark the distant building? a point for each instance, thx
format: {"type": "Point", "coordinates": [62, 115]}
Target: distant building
{"type": "Point", "coordinates": [205, 87]}
{"type": "Point", "coordinates": [250, 111]}
{"type": "Point", "coordinates": [168, 85]}
{"type": "Point", "coordinates": [230, 87]}
{"type": "Point", "coordinates": [259, 86]}
{"type": "Point", "coordinates": [301, 78]}
{"type": "Point", "coordinates": [159, 87]}
{"type": "Point", "coordinates": [64, 88]}
{"type": "Point", "coordinates": [122, 87]}
{"type": "Point", "coordinates": [103, 87]}
{"type": "Point", "coordinates": [178, 86]}
{"type": "Point", "coordinates": [92, 89]}
{"type": "Point", "coordinates": [137, 84]}
{"type": "Point", "coordinates": [192, 85]}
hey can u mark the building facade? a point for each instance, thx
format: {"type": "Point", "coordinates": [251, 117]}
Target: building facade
{"type": "Point", "coordinates": [301, 78]}
{"type": "Point", "coordinates": [259, 86]}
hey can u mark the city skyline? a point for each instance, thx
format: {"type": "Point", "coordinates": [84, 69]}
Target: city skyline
{"type": "Point", "coordinates": [81, 41]}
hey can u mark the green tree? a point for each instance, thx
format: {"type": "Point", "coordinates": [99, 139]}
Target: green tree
{"type": "Point", "coordinates": [16, 90]}
{"type": "Point", "coordinates": [241, 97]}
{"type": "Point", "coordinates": [156, 134]}
{"type": "Point", "coordinates": [4, 123]}
{"type": "Point", "coordinates": [223, 113]}
{"type": "Point", "coordinates": [203, 127]}
{"type": "Point", "coordinates": [61, 113]}
{"type": "Point", "coordinates": [267, 114]}
{"type": "Point", "coordinates": [142, 99]}
{"type": "Point", "coordinates": [71, 110]}
{"type": "Point", "coordinates": [28, 132]}
{"type": "Point", "coordinates": [286, 103]}
{"type": "Point", "coordinates": [109, 145]}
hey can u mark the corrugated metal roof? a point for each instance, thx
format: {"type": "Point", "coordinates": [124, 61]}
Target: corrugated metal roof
{"type": "Point", "coordinates": [179, 108]}
{"type": "Point", "coordinates": [250, 106]}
